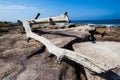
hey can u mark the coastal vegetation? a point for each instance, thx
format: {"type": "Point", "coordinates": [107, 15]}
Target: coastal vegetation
{"type": "Point", "coordinates": [6, 24]}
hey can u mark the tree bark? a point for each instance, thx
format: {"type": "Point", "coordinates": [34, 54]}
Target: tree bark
{"type": "Point", "coordinates": [61, 53]}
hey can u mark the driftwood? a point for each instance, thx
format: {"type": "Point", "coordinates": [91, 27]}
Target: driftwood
{"type": "Point", "coordinates": [61, 18]}
{"type": "Point", "coordinates": [63, 53]}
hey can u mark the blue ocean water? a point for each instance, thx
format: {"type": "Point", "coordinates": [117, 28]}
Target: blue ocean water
{"type": "Point", "coordinates": [112, 22]}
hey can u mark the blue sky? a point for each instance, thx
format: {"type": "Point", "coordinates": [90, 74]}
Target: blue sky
{"type": "Point", "coordinates": [12, 10]}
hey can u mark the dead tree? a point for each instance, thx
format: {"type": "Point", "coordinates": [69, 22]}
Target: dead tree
{"type": "Point", "coordinates": [61, 53]}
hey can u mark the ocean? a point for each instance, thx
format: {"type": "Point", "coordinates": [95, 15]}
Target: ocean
{"type": "Point", "coordinates": [114, 22]}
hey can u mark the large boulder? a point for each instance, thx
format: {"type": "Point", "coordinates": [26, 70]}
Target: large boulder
{"type": "Point", "coordinates": [22, 60]}
{"type": "Point", "coordinates": [105, 54]}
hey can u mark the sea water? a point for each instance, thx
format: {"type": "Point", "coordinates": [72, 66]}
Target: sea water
{"type": "Point", "coordinates": [114, 22]}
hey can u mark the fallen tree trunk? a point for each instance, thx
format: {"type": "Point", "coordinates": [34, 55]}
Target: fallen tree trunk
{"type": "Point", "coordinates": [61, 18]}
{"type": "Point", "coordinates": [61, 53]}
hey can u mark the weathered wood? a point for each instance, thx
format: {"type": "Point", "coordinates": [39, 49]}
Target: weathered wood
{"type": "Point", "coordinates": [90, 75]}
{"type": "Point", "coordinates": [36, 17]}
{"type": "Point", "coordinates": [60, 52]}
{"type": "Point", "coordinates": [60, 18]}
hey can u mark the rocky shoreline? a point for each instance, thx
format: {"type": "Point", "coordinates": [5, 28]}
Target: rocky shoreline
{"type": "Point", "coordinates": [20, 60]}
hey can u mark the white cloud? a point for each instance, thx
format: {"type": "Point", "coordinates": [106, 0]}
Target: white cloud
{"type": "Point", "coordinates": [9, 12]}
{"type": "Point", "coordinates": [6, 2]}
{"type": "Point", "coordinates": [4, 7]}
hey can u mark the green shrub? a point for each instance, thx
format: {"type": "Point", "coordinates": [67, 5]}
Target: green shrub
{"type": "Point", "coordinates": [6, 24]}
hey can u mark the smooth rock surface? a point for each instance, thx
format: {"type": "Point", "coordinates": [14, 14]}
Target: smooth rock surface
{"type": "Point", "coordinates": [105, 53]}
{"type": "Point", "coordinates": [22, 60]}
